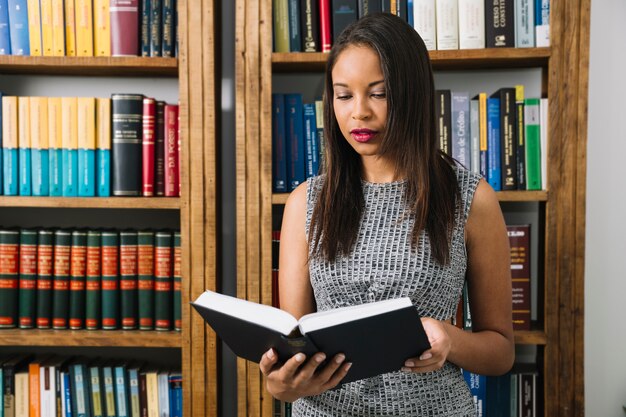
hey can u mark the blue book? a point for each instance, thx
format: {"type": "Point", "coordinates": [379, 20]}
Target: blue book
{"type": "Point", "coordinates": [1, 187]}
{"type": "Point", "coordinates": [66, 393]}
{"type": "Point", "coordinates": [70, 172]}
{"type": "Point", "coordinates": [5, 36]}
{"type": "Point", "coordinates": [103, 172]}
{"type": "Point", "coordinates": [40, 172]}
{"type": "Point", "coordinates": [279, 145]}
{"type": "Point", "coordinates": [86, 146]}
{"type": "Point", "coordinates": [121, 392]}
{"type": "Point", "coordinates": [494, 163]}
{"type": "Point", "coordinates": [133, 387]}
{"type": "Point", "coordinates": [499, 395]}
{"type": "Point", "coordinates": [145, 27]}
{"type": "Point", "coordinates": [294, 129]}
{"type": "Point", "coordinates": [25, 171]}
{"type": "Point", "coordinates": [86, 172]}
{"type": "Point", "coordinates": [542, 12]}
{"type": "Point", "coordinates": [18, 27]}
{"type": "Point", "coordinates": [478, 388]}
{"type": "Point", "coordinates": [409, 12]}
{"type": "Point", "coordinates": [55, 166]}
{"type": "Point", "coordinates": [460, 106]}
{"type": "Point", "coordinates": [10, 172]}
{"type": "Point", "coordinates": [109, 390]}
{"type": "Point", "coordinates": [176, 394]}
{"type": "Point", "coordinates": [310, 139]}
{"type": "Point", "coordinates": [10, 164]}
{"type": "Point", "coordinates": [81, 404]}
{"type": "Point", "coordinates": [295, 42]}
{"type": "Point", "coordinates": [103, 147]}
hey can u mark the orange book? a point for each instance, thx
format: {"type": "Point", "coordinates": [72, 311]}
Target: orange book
{"type": "Point", "coordinates": [102, 28]}
{"type": "Point", "coordinates": [58, 28]}
{"type": "Point", "coordinates": [34, 27]}
{"type": "Point", "coordinates": [33, 388]}
{"type": "Point", "coordinates": [70, 28]}
{"type": "Point", "coordinates": [84, 27]}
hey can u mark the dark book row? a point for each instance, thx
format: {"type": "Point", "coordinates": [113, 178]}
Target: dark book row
{"type": "Point", "coordinates": [90, 279]}
{"type": "Point", "coordinates": [313, 25]}
{"type": "Point", "coordinates": [88, 28]}
{"type": "Point", "coordinates": [127, 145]}
{"type": "Point", "coordinates": [52, 386]}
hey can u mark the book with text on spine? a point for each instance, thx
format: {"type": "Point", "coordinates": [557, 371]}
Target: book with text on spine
{"type": "Point", "coordinates": [375, 337]}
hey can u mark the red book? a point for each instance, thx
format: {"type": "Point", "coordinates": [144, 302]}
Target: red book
{"type": "Point", "coordinates": [78, 270]}
{"type": "Point", "coordinates": [44, 278]}
{"type": "Point", "coordinates": [325, 25]}
{"type": "Point", "coordinates": [519, 239]}
{"type": "Point", "coordinates": [159, 151]}
{"type": "Point", "coordinates": [9, 264]}
{"type": "Point", "coordinates": [147, 146]}
{"type": "Point", "coordinates": [171, 151]}
{"type": "Point", "coordinates": [124, 16]}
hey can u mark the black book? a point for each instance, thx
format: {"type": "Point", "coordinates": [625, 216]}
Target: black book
{"type": "Point", "coordinates": [443, 113]}
{"type": "Point", "coordinates": [508, 137]}
{"type": "Point", "coordinates": [126, 132]}
{"type": "Point", "coordinates": [499, 24]}
{"type": "Point", "coordinates": [309, 25]}
{"type": "Point", "coordinates": [369, 6]}
{"type": "Point", "coordinates": [344, 12]}
{"type": "Point", "coordinates": [375, 337]}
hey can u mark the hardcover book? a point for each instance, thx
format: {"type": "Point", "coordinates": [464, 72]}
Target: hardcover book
{"type": "Point", "coordinates": [9, 146]}
{"type": "Point", "coordinates": [163, 281]}
{"type": "Point", "coordinates": [24, 155]}
{"type": "Point", "coordinates": [69, 129]}
{"type": "Point", "coordinates": [471, 24]}
{"type": "Point", "coordinates": [425, 22]}
{"type": "Point", "coordinates": [45, 241]}
{"type": "Point", "coordinates": [93, 281]}
{"type": "Point", "coordinates": [145, 279]}
{"type": "Point", "coordinates": [279, 150]}
{"type": "Point", "coordinates": [70, 27]}
{"type": "Point", "coordinates": [103, 147]}
{"type": "Point", "coordinates": [39, 142]}
{"type": "Point", "coordinates": [499, 24]}
{"type": "Point", "coordinates": [172, 161]}
{"type": "Point", "coordinates": [124, 27]}
{"type": "Point", "coordinates": [5, 38]}
{"type": "Point", "coordinates": [156, 10]}
{"type": "Point", "coordinates": [78, 270]}
{"type": "Point", "coordinates": [61, 280]}
{"type": "Point", "coordinates": [177, 281]}
{"type": "Point", "coordinates": [295, 38]}
{"type": "Point", "coordinates": [281, 25]}
{"type": "Point", "coordinates": [55, 148]}
{"type": "Point", "coordinates": [128, 279]}
{"type": "Point", "coordinates": [148, 146]}
{"type": "Point", "coordinates": [18, 27]}
{"type": "Point", "coordinates": [28, 278]}
{"type": "Point", "coordinates": [86, 146]}
{"type": "Point", "coordinates": [102, 28]}
{"type": "Point", "coordinates": [34, 26]}
{"type": "Point", "coordinates": [9, 263]}
{"type": "Point", "coordinates": [309, 12]}
{"type": "Point", "coordinates": [344, 12]}
{"type": "Point", "coordinates": [443, 107]}
{"type": "Point", "coordinates": [447, 15]}
{"type": "Point", "coordinates": [168, 44]}
{"type": "Point", "coordinates": [375, 337]}
{"type": "Point", "coordinates": [519, 239]}
{"type": "Point", "coordinates": [84, 27]}
{"type": "Point", "coordinates": [110, 280]}
{"type": "Point", "coordinates": [127, 113]}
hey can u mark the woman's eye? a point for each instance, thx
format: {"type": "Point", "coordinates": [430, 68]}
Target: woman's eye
{"type": "Point", "coordinates": [343, 97]}
{"type": "Point", "coordinates": [379, 95]}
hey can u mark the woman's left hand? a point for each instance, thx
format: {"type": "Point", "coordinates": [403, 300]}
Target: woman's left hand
{"type": "Point", "coordinates": [440, 345]}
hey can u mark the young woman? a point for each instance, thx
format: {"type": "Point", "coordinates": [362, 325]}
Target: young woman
{"type": "Point", "coordinates": [392, 216]}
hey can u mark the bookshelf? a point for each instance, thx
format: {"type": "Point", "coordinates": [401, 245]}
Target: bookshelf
{"type": "Point", "coordinates": [195, 209]}
{"type": "Point", "coordinates": [558, 331]}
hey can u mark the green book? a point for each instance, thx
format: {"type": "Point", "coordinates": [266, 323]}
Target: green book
{"type": "Point", "coordinates": [128, 279]}
{"type": "Point", "coordinates": [533, 143]}
{"type": "Point", "coordinates": [45, 242]}
{"type": "Point", "coordinates": [9, 247]}
{"type": "Point", "coordinates": [145, 279]}
{"type": "Point", "coordinates": [177, 278]}
{"type": "Point", "coordinates": [61, 279]}
{"type": "Point", "coordinates": [27, 300]}
{"type": "Point", "coordinates": [163, 281]}
{"type": "Point", "coordinates": [281, 25]}
{"type": "Point", "coordinates": [93, 291]}
{"type": "Point", "coordinates": [78, 268]}
{"type": "Point", "coordinates": [110, 280]}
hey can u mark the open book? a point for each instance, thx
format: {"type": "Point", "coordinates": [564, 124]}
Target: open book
{"type": "Point", "coordinates": [376, 337]}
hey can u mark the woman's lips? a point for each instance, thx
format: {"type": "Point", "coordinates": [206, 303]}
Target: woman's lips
{"type": "Point", "coordinates": [363, 135]}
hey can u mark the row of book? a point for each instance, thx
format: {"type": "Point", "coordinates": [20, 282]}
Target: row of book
{"type": "Point", "coordinates": [126, 145]}
{"type": "Point", "coordinates": [88, 27]}
{"type": "Point", "coordinates": [90, 279]}
{"type": "Point", "coordinates": [312, 25]}
{"type": "Point", "coordinates": [52, 386]}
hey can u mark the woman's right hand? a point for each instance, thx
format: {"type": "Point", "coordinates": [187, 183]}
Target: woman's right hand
{"type": "Point", "coordinates": [297, 378]}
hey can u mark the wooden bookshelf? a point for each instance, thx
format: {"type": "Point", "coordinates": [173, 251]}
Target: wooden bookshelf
{"type": "Point", "coordinates": [139, 203]}
{"type": "Point", "coordinates": [564, 74]}
{"type": "Point", "coordinates": [100, 338]}
{"type": "Point", "coordinates": [96, 65]}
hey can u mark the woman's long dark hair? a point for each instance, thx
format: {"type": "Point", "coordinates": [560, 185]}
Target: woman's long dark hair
{"type": "Point", "coordinates": [409, 139]}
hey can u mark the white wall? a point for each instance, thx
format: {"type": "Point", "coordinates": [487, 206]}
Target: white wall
{"type": "Point", "coordinates": [605, 269]}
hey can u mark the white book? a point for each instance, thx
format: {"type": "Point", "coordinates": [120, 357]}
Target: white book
{"type": "Point", "coordinates": [524, 23]}
{"type": "Point", "coordinates": [542, 36]}
{"type": "Point", "coordinates": [472, 24]}
{"type": "Point", "coordinates": [21, 395]}
{"type": "Point", "coordinates": [447, 12]}
{"type": "Point", "coordinates": [460, 127]}
{"type": "Point", "coordinates": [163, 389]}
{"type": "Point", "coordinates": [425, 22]}
{"type": "Point", "coordinates": [543, 137]}
{"type": "Point", "coordinates": [474, 137]}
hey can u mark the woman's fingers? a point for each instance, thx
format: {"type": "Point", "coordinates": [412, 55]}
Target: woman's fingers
{"type": "Point", "coordinates": [268, 360]}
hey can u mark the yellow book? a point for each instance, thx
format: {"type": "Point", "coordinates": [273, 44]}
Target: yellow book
{"type": "Point", "coordinates": [22, 391]}
{"type": "Point", "coordinates": [46, 27]}
{"type": "Point", "coordinates": [55, 143]}
{"type": "Point", "coordinates": [9, 124]}
{"type": "Point", "coordinates": [23, 122]}
{"type": "Point", "coordinates": [102, 28]}
{"type": "Point", "coordinates": [86, 123]}
{"type": "Point", "coordinates": [39, 122]}
{"type": "Point", "coordinates": [103, 123]}
{"type": "Point", "coordinates": [152, 393]}
{"type": "Point", "coordinates": [84, 28]}
{"type": "Point", "coordinates": [58, 28]}
{"type": "Point", "coordinates": [482, 121]}
{"type": "Point", "coordinates": [69, 124]}
{"type": "Point", "coordinates": [34, 27]}
{"type": "Point", "coordinates": [70, 28]}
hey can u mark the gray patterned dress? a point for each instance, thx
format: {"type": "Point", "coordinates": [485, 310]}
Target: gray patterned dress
{"type": "Point", "coordinates": [382, 266]}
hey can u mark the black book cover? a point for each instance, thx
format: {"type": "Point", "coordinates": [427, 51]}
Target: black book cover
{"type": "Point", "coordinates": [508, 137]}
{"type": "Point", "coordinates": [374, 345]}
{"type": "Point", "coordinates": [499, 24]}
{"type": "Point", "coordinates": [443, 112]}
{"type": "Point", "coordinates": [344, 12]}
{"type": "Point", "coordinates": [369, 6]}
{"type": "Point", "coordinates": [402, 10]}
{"type": "Point", "coordinates": [309, 18]}
{"type": "Point", "coordinates": [127, 113]}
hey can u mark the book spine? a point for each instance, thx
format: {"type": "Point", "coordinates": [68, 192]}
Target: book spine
{"type": "Point", "coordinates": [521, 137]}
{"type": "Point", "coordinates": [310, 140]}
{"type": "Point", "coordinates": [102, 28]}
{"type": "Point", "coordinates": [70, 27]}
{"type": "Point", "coordinates": [34, 388]}
{"type": "Point", "coordinates": [46, 27]}
{"type": "Point", "coordinates": [133, 388]}
{"type": "Point", "coordinates": [86, 146]}
{"type": "Point", "coordinates": [279, 152]}
{"type": "Point", "coordinates": [163, 280]}
{"type": "Point", "coordinates": [460, 128]}
{"type": "Point", "coordinates": [542, 23]}
{"type": "Point", "coordinates": [28, 279]}
{"type": "Point", "coordinates": [308, 23]}
{"type": "Point", "coordinates": [121, 391]}
{"type": "Point", "coordinates": [444, 119]}
{"type": "Point", "coordinates": [401, 9]}
{"type": "Point", "coordinates": [78, 271]}
{"type": "Point", "coordinates": [319, 122]}
{"type": "Point", "coordinates": [474, 137]}
{"type": "Point", "coordinates": [524, 23]}
{"type": "Point", "coordinates": [45, 262]}
{"type": "Point", "coordinates": [9, 249]}
{"type": "Point", "coordinates": [69, 129]}
{"type": "Point", "coordinates": [295, 140]}
{"type": "Point", "coordinates": [169, 28]}
{"type": "Point", "coordinates": [177, 281]}
{"type": "Point", "coordinates": [96, 391]}
{"type": "Point", "coordinates": [145, 27]}
{"type": "Point", "coordinates": [23, 127]}
{"type": "Point", "coordinates": [159, 150]}
{"type": "Point", "coordinates": [499, 24]}
{"type": "Point", "coordinates": [344, 12]}
{"type": "Point", "coordinates": [84, 27]}
{"type": "Point", "coordinates": [369, 6]}
{"type": "Point", "coordinates": [124, 15]}
{"type": "Point", "coordinates": [295, 37]}
{"type": "Point", "coordinates": [163, 392]}
{"type": "Point", "coordinates": [128, 279]}
{"type": "Point", "coordinates": [34, 27]}
{"type": "Point", "coordinates": [9, 146]}
{"type": "Point", "coordinates": [494, 167]}
{"type": "Point", "coordinates": [145, 279]}
{"type": "Point", "coordinates": [325, 25]}
{"type": "Point", "coordinates": [55, 150]}
{"type": "Point", "coordinates": [543, 141]}
{"type": "Point", "coordinates": [533, 146]}
{"type": "Point", "coordinates": [5, 39]}
{"type": "Point", "coordinates": [281, 25]}
{"type": "Point", "coordinates": [508, 139]}
{"type": "Point", "coordinates": [519, 240]}
{"type": "Point", "coordinates": [447, 15]}
{"type": "Point", "coordinates": [61, 283]}
{"type": "Point", "coordinates": [19, 405]}
{"type": "Point", "coordinates": [156, 10]}
{"type": "Point", "coordinates": [171, 151]}
{"type": "Point", "coordinates": [39, 142]}
{"type": "Point", "coordinates": [175, 381]}
{"type": "Point", "coordinates": [148, 146]}
{"type": "Point", "coordinates": [143, 395]}
{"type": "Point", "coordinates": [127, 113]}
{"type": "Point", "coordinates": [478, 388]}
{"type": "Point", "coordinates": [58, 28]}
{"type": "Point", "coordinates": [109, 391]}
{"type": "Point", "coordinates": [110, 280]}
{"type": "Point", "coordinates": [482, 125]}
{"type": "Point", "coordinates": [103, 147]}
{"type": "Point", "coordinates": [18, 27]}
{"type": "Point", "coordinates": [93, 278]}
{"type": "Point", "coordinates": [471, 24]}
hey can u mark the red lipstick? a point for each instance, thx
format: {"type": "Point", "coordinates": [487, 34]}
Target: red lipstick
{"type": "Point", "coordinates": [363, 135]}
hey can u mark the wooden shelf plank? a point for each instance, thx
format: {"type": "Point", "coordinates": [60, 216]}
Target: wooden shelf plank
{"type": "Point", "coordinates": [441, 60]}
{"type": "Point", "coordinates": [503, 196]}
{"type": "Point", "coordinates": [104, 338]}
{"type": "Point", "coordinates": [532, 337]}
{"type": "Point", "coordinates": [100, 65]}
{"type": "Point", "coordinates": [169, 203]}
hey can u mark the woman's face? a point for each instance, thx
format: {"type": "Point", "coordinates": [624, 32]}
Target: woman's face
{"type": "Point", "coordinates": [359, 98]}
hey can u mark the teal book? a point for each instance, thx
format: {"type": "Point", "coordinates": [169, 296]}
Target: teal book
{"type": "Point", "coordinates": [103, 158]}
{"type": "Point", "coordinates": [103, 147]}
{"type": "Point", "coordinates": [86, 147]}
{"type": "Point", "coordinates": [9, 168]}
{"type": "Point", "coordinates": [23, 137]}
{"type": "Point", "coordinates": [9, 146]}
{"type": "Point", "coordinates": [86, 172]}
{"type": "Point", "coordinates": [55, 146]}
{"type": "Point", "coordinates": [40, 172]}
{"type": "Point", "coordinates": [7, 18]}
{"type": "Point", "coordinates": [69, 132]}
{"type": "Point", "coordinates": [24, 172]}
{"type": "Point", "coordinates": [39, 145]}
{"type": "Point", "coordinates": [55, 166]}
{"type": "Point", "coordinates": [70, 172]}
{"type": "Point", "coordinates": [122, 408]}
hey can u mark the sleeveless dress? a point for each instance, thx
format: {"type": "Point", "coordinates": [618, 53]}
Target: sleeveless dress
{"type": "Point", "coordinates": [383, 265]}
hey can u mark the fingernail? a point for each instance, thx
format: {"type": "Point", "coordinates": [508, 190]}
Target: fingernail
{"type": "Point", "coordinates": [405, 369]}
{"type": "Point", "coordinates": [426, 356]}
{"type": "Point", "coordinates": [409, 363]}
{"type": "Point", "coordinates": [340, 358]}
{"type": "Point", "coordinates": [319, 358]}
{"type": "Point", "coordinates": [348, 366]}
{"type": "Point", "coordinates": [299, 357]}
{"type": "Point", "coordinates": [270, 354]}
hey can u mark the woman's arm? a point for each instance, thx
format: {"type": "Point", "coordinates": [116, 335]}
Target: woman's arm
{"type": "Point", "coordinates": [490, 348]}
